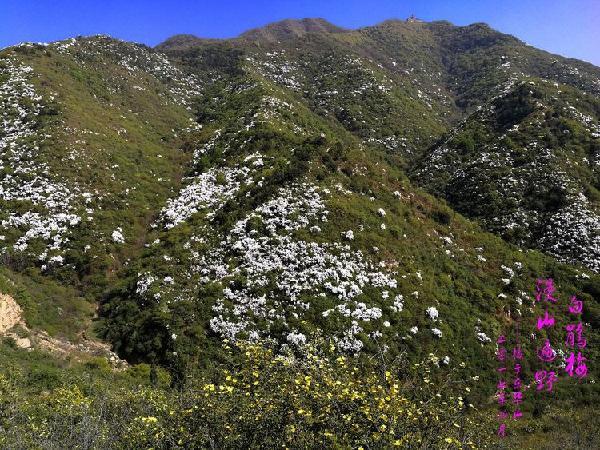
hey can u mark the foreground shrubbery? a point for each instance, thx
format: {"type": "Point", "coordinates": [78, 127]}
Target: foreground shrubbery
{"type": "Point", "coordinates": [261, 400]}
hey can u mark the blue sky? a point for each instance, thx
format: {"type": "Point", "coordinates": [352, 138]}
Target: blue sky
{"type": "Point", "coordinates": [567, 27]}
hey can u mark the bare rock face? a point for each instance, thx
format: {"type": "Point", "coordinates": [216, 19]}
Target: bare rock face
{"type": "Point", "coordinates": [22, 342]}
{"type": "Point", "coordinates": [10, 313]}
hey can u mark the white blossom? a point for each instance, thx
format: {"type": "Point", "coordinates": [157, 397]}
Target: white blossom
{"type": "Point", "coordinates": [432, 312]}
{"type": "Point", "coordinates": [117, 236]}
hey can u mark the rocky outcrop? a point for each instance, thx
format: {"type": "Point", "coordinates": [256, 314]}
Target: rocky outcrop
{"type": "Point", "coordinates": [11, 313]}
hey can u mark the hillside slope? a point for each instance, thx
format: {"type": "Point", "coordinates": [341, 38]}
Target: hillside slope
{"type": "Point", "coordinates": [526, 165]}
{"type": "Point", "coordinates": [265, 189]}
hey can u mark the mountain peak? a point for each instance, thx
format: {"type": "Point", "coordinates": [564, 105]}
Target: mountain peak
{"type": "Point", "coordinates": [288, 28]}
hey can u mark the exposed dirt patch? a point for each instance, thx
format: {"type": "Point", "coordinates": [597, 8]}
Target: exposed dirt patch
{"type": "Point", "coordinates": [11, 316]}
{"type": "Point", "coordinates": [87, 347]}
{"type": "Point", "coordinates": [11, 313]}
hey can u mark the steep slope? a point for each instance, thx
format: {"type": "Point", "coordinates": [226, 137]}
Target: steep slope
{"type": "Point", "coordinates": [91, 145]}
{"type": "Point", "coordinates": [288, 228]}
{"type": "Point", "coordinates": [337, 83]}
{"type": "Point", "coordinates": [254, 190]}
{"type": "Point", "coordinates": [89, 150]}
{"type": "Point", "coordinates": [408, 82]}
{"type": "Point", "coordinates": [526, 165]}
{"type": "Point", "coordinates": [401, 77]}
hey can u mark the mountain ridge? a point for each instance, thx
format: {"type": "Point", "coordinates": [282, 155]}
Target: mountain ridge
{"type": "Point", "coordinates": [322, 25]}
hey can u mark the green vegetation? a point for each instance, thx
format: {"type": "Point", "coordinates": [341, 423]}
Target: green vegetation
{"type": "Point", "coordinates": [266, 190]}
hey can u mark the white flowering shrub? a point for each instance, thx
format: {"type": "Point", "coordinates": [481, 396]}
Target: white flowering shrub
{"type": "Point", "coordinates": [42, 208]}
{"type": "Point", "coordinates": [432, 313]}
{"type": "Point", "coordinates": [117, 236]}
